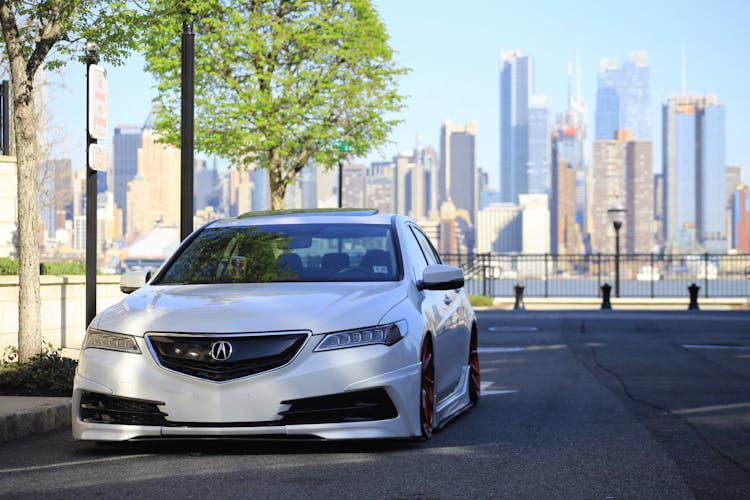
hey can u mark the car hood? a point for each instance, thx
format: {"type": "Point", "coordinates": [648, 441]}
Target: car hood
{"type": "Point", "coordinates": [254, 307]}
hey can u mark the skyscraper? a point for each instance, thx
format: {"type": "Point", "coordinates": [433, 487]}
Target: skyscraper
{"type": "Point", "coordinates": [125, 143]}
{"type": "Point", "coordinates": [428, 159]}
{"type": "Point", "coordinates": [741, 219]}
{"type": "Point", "coordinates": [733, 183]}
{"type": "Point", "coordinates": [458, 166]}
{"type": "Point", "coordinates": [622, 173]}
{"type": "Point", "coordinates": [694, 174]}
{"type": "Point", "coordinates": [565, 231]}
{"type": "Point", "coordinates": [379, 186]}
{"type": "Point", "coordinates": [539, 145]}
{"type": "Point", "coordinates": [154, 193]}
{"type": "Point", "coordinates": [524, 135]}
{"type": "Point", "coordinates": [353, 195]}
{"type": "Point", "coordinates": [55, 194]}
{"type": "Point", "coordinates": [623, 98]}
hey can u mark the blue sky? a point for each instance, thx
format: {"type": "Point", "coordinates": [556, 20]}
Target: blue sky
{"type": "Point", "coordinates": [453, 49]}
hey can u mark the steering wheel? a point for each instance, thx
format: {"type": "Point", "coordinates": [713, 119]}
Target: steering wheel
{"type": "Point", "coordinates": [354, 271]}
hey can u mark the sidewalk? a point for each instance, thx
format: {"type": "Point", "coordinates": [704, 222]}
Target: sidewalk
{"type": "Point", "coordinates": [22, 416]}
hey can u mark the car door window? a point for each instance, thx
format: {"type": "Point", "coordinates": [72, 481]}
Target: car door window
{"type": "Point", "coordinates": [427, 249]}
{"type": "Point", "coordinates": [416, 256]}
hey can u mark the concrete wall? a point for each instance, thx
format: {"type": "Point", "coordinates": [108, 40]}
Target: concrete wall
{"type": "Point", "coordinates": [63, 307]}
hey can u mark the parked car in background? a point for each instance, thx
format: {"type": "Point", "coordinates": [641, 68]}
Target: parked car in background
{"type": "Point", "coordinates": [307, 324]}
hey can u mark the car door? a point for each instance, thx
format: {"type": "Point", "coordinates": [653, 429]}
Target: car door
{"type": "Point", "coordinates": [438, 305]}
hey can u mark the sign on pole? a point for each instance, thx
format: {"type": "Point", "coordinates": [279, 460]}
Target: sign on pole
{"type": "Point", "coordinates": [97, 157]}
{"type": "Point", "coordinates": [97, 102]}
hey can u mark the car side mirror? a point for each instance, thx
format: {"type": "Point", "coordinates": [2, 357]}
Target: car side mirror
{"type": "Point", "coordinates": [133, 280]}
{"type": "Point", "coordinates": [441, 277]}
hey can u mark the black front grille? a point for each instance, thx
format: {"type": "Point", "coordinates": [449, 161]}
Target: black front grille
{"type": "Point", "coordinates": [355, 406]}
{"type": "Point", "coordinates": [250, 354]}
{"type": "Point", "coordinates": [104, 409]}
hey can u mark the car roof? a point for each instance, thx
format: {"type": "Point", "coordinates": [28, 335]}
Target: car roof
{"type": "Point", "coordinates": [307, 216]}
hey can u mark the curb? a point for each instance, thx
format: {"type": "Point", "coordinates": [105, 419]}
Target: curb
{"type": "Point", "coordinates": [44, 418]}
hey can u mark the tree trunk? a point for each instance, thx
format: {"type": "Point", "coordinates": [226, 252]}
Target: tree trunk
{"type": "Point", "coordinates": [276, 177]}
{"type": "Point", "coordinates": [29, 324]}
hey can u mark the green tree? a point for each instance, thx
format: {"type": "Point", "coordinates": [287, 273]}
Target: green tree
{"type": "Point", "coordinates": [280, 83]}
{"type": "Point", "coordinates": [51, 33]}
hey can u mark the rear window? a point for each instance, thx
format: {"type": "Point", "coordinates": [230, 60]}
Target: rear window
{"type": "Point", "coordinates": [298, 252]}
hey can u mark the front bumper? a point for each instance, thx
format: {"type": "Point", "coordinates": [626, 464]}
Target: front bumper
{"type": "Point", "coordinates": [250, 406]}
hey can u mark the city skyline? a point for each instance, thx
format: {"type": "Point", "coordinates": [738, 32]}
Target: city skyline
{"type": "Point", "coordinates": [456, 77]}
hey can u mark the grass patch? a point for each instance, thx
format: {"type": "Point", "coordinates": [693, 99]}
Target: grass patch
{"type": "Point", "coordinates": [480, 300]}
{"type": "Point", "coordinates": [46, 374]}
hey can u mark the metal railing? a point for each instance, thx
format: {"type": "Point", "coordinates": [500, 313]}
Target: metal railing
{"type": "Point", "coordinates": [641, 275]}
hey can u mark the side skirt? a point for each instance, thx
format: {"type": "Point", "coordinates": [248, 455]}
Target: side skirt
{"type": "Point", "coordinates": [454, 403]}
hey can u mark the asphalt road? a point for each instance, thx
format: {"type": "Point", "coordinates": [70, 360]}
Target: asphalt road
{"type": "Point", "coordinates": [575, 405]}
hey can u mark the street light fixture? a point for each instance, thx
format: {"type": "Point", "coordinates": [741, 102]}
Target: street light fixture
{"type": "Point", "coordinates": [617, 216]}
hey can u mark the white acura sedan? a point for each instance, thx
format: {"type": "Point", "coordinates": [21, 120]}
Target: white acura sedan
{"type": "Point", "coordinates": [338, 324]}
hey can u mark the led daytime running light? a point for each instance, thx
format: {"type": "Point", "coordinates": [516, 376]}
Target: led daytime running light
{"type": "Point", "coordinates": [110, 341]}
{"type": "Point", "coordinates": [383, 334]}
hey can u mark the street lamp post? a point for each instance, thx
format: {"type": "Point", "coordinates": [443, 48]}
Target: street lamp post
{"type": "Point", "coordinates": [91, 58]}
{"type": "Point", "coordinates": [187, 130]}
{"type": "Point", "coordinates": [617, 216]}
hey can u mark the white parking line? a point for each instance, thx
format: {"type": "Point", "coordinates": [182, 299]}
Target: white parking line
{"type": "Point", "coordinates": [485, 392]}
{"type": "Point", "coordinates": [511, 328]}
{"type": "Point", "coordinates": [714, 346]}
{"type": "Point", "coordinates": [70, 464]}
{"type": "Point", "coordinates": [490, 350]}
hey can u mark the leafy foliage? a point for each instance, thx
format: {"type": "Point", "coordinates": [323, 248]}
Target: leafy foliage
{"type": "Point", "coordinates": [480, 300]}
{"type": "Point", "coordinates": [9, 267]}
{"type": "Point", "coordinates": [45, 374]}
{"type": "Point", "coordinates": [54, 33]}
{"type": "Point", "coordinates": [219, 255]}
{"type": "Point", "coordinates": [62, 268]}
{"type": "Point", "coordinates": [280, 83]}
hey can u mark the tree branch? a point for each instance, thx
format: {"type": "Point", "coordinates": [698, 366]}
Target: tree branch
{"type": "Point", "coordinates": [50, 34]}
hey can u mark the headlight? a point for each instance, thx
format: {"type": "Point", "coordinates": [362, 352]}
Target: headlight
{"type": "Point", "coordinates": [382, 334]}
{"type": "Point", "coordinates": [111, 341]}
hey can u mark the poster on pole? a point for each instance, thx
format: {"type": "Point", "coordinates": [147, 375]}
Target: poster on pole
{"type": "Point", "coordinates": [97, 102]}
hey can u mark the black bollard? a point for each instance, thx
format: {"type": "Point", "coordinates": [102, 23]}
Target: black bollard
{"type": "Point", "coordinates": [519, 296]}
{"type": "Point", "coordinates": [606, 291]}
{"type": "Point", "coordinates": [693, 289]}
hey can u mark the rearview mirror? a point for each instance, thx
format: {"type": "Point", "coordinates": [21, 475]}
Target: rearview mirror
{"type": "Point", "coordinates": [440, 277]}
{"type": "Point", "coordinates": [133, 280]}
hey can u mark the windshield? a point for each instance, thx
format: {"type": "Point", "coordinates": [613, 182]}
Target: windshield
{"type": "Point", "coordinates": [298, 252]}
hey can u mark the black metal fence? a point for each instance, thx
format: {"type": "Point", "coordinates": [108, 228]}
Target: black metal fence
{"type": "Point", "coordinates": [641, 275]}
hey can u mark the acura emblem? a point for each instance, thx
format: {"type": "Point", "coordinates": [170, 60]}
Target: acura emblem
{"type": "Point", "coordinates": [221, 350]}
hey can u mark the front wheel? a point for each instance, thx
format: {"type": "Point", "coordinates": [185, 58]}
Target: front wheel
{"type": "Point", "coordinates": [427, 389]}
{"type": "Point", "coordinates": [475, 379]}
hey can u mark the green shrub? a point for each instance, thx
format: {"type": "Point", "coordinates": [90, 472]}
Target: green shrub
{"type": "Point", "coordinates": [480, 300]}
{"type": "Point", "coordinates": [8, 266]}
{"type": "Point", "coordinates": [46, 374]}
{"type": "Point", "coordinates": [62, 268]}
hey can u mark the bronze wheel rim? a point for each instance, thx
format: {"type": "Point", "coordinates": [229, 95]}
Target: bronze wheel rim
{"type": "Point", "coordinates": [475, 379]}
{"type": "Point", "coordinates": [427, 390]}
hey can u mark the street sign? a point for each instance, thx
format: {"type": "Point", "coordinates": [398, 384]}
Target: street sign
{"type": "Point", "coordinates": [97, 157]}
{"type": "Point", "coordinates": [339, 144]}
{"type": "Point", "coordinates": [97, 102]}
